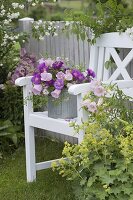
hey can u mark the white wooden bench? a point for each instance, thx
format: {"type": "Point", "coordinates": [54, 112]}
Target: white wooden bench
{"type": "Point", "coordinates": [99, 54]}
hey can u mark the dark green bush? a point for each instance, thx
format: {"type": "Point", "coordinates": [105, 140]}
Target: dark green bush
{"type": "Point", "coordinates": [38, 13]}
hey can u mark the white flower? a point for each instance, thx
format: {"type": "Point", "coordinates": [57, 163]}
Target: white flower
{"type": "Point", "coordinates": [67, 23]}
{"type": "Point", "coordinates": [49, 28]}
{"type": "Point", "coordinates": [55, 34]}
{"type": "Point", "coordinates": [6, 21]}
{"type": "Point", "coordinates": [36, 27]}
{"type": "Point", "coordinates": [2, 7]}
{"type": "Point", "coordinates": [33, 4]}
{"type": "Point", "coordinates": [29, 1]}
{"type": "Point", "coordinates": [21, 6]}
{"type": "Point", "coordinates": [47, 33]}
{"type": "Point", "coordinates": [15, 5]}
{"type": "Point", "coordinates": [41, 38]}
{"type": "Point", "coordinates": [45, 91]}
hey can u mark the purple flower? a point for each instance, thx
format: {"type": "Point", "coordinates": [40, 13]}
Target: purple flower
{"type": "Point", "coordinates": [21, 70]}
{"type": "Point", "coordinates": [78, 75]}
{"type": "Point", "coordinates": [50, 83]}
{"type": "Point", "coordinates": [42, 68]}
{"type": "Point", "coordinates": [59, 84]}
{"type": "Point", "coordinates": [81, 77]}
{"type": "Point", "coordinates": [36, 79]}
{"type": "Point", "coordinates": [57, 64]}
{"type": "Point", "coordinates": [91, 73]}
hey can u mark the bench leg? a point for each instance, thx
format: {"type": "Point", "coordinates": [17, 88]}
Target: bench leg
{"type": "Point", "coordinates": [30, 153]}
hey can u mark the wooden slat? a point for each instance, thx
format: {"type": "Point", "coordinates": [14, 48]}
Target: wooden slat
{"type": "Point", "coordinates": [100, 63]}
{"type": "Point", "coordinates": [106, 72]}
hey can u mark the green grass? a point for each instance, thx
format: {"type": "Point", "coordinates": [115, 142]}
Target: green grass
{"type": "Point", "coordinates": [48, 186]}
{"type": "Point", "coordinates": [77, 5]}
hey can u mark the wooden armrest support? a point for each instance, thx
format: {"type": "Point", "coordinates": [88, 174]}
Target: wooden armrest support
{"type": "Point", "coordinates": [22, 81]}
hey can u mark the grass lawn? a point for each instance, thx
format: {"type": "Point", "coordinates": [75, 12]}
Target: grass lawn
{"type": "Point", "coordinates": [76, 5]}
{"type": "Point", "coordinates": [49, 185]}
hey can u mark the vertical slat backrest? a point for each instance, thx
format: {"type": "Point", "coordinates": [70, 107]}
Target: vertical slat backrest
{"type": "Point", "coordinates": [106, 47]}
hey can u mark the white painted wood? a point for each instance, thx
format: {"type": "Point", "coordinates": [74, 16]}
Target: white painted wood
{"type": "Point", "coordinates": [106, 72]}
{"type": "Point", "coordinates": [100, 63]}
{"type": "Point", "coordinates": [46, 164]}
{"type": "Point", "coordinates": [37, 119]}
{"type": "Point", "coordinates": [29, 137]}
{"type": "Point", "coordinates": [115, 40]}
{"type": "Point", "coordinates": [22, 81]}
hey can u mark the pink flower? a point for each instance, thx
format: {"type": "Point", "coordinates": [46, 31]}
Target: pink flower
{"type": "Point", "coordinates": [86, 103]}
{"type": "Point", "coordinates": [99, 91]}
{"type": "Point", "coordinates": [37, 89]}
{"type": "Point", "coordinates": [94, 84]}
{"type": "Point", "coordinates": [49, 62]}
{"type": "Point", "coordinates": [60, 75]}
{"type": "Point", "coordinates": [92, 107]}
{"type": "Point", "coordinates": [68, 75]}
{"type": "Point", "coordinates": [56, 93]}
{"type": "Point", "coordinates": [46, 76]}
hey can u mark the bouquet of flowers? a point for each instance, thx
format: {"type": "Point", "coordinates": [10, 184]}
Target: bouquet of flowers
{"type": "Point", "coordinates": [53, 76]}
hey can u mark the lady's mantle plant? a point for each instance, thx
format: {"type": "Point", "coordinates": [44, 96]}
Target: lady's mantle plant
{"type": "Point", "coordinates": [53, 76]}
{"type": "Point", "coordinates": [101, 166]}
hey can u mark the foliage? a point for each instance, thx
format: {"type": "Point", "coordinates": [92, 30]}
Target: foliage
{"type": "Point", "coordinates": [12, 104]}
{"type": "Point", "coordinates": [38, 13]}
{"type": "Point", "coordinates": [108, 17]}
{"type": "Point", "coordinates": [101, 165]}
{"type": "Point", "coordinates": [10, 136]}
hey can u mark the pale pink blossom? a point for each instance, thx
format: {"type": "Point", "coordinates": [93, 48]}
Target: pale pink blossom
{"type": "Point", "coordinates": [68, 75]}
{"type": "Point", "coordinates": [60, 75]}
{"type": "Point", "coordinates": [99, 91]}
{"type": "Point", "coordinates": [86, 103]}
{"type": "Point", "coordinates": [92, 107]}
{"type": "Point", "coordinates": [93, 84]}
{"type": "Point", "coordinates": [40, 61]}
{"type": "Point", "coordinates": [37, 89]}
{"type": "Point", "coordinates": [56, 93]}
{"type": "Point", "coordinates": [46, 76]}
{"type": "Point", "coordinates": [49, 62]}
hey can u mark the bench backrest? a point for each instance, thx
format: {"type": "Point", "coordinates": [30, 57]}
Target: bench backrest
{"type": "Point", "coordinates": [107, 46]}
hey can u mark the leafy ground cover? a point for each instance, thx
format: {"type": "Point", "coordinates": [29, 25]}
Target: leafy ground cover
{"type": "Point", "coordinates": [49, 185]}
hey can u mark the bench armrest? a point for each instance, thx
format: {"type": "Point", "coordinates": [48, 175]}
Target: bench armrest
{"type": "Point", "coordinates": [78, 88]}
{"type": "Point", "coordinates": [22, 81]}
